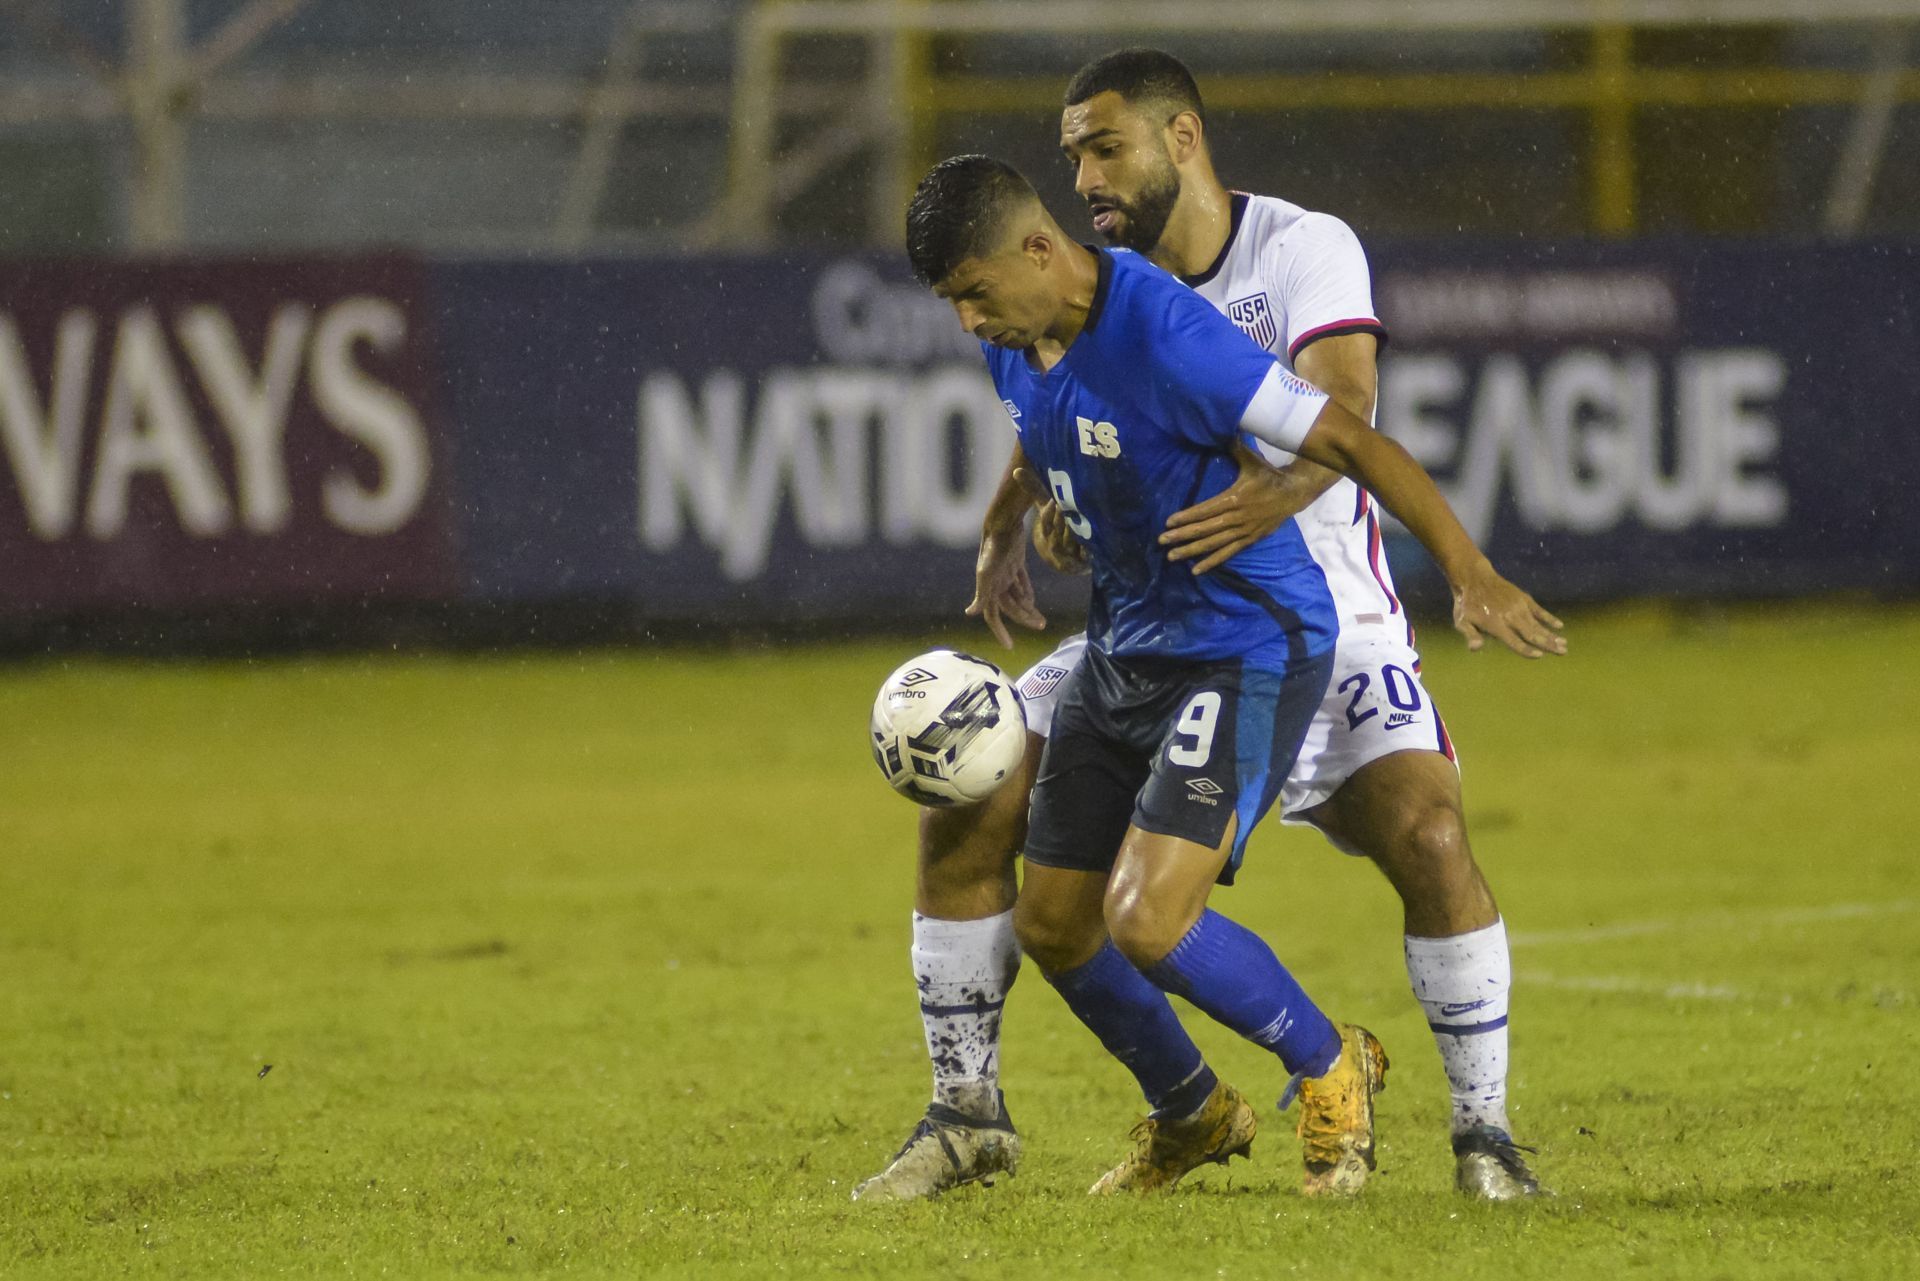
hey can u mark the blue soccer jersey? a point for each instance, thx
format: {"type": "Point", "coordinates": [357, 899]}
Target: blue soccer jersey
{"type": "Point", "coordinates": [1136, 422]}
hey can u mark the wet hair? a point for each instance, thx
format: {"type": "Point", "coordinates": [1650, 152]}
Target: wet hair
{"type": "Point", "coordinates": [1138, 75]}
{"type": "Point", "coordinates": [959, 211]}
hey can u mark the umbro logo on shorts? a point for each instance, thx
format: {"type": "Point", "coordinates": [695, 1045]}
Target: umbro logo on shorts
{"type": "Point", "coordinates": [1204, 790]}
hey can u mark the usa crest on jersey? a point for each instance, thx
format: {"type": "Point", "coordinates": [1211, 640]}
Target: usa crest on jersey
{"type": "Point", "coordinates": [1254, 315]}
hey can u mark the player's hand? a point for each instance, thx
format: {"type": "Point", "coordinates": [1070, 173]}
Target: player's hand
{"type": "Point", "coordinates": [1001, 587]}
{"type": "Point", "coordinates": [1260, 500]}
{"type": "Point", "coordinates": [1485, 604]}
{"type": "Point", "coordinates": [1056, 544]}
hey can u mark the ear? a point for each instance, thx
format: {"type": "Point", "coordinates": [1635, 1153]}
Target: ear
{"type": "Point", "coordinates": [1185, 137]}
{"type": "Point", "coordinates": [1038, 248]}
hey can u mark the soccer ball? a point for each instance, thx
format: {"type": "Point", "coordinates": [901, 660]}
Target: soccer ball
{"type": "Point", "coordinates": [948, 729]}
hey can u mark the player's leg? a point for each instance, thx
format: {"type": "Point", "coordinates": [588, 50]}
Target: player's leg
{"type": "Point", "coordinates": [1157, 911]}
{"type": "Point", "coordinates": [1378, 777]}
{"type": "Point", "coordinates": [965, 959]}
{"type": "Point", "coordinates": [1404, 812]}
{"type": "Point", "coordinates": [1081, 803]}
{"type": "Point", "coordinates": [1213, 778]}
{"type": "Point", "coordinates": [1195, 1117]}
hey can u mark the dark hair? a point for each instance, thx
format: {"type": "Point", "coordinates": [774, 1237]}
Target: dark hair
{"type": "Point", "coordinates": [957, 211]}
{"type": "Point", "coordinates": [1138, 75]}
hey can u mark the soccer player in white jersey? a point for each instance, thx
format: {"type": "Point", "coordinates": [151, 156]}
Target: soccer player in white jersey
{"type": "Point", "coordinates": [1377, 773]}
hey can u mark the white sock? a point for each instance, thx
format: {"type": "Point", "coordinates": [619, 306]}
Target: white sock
{"type": "Point", "coordinates": [1462, 983]}
{"type": "Point", "coordinates": [963, 970]}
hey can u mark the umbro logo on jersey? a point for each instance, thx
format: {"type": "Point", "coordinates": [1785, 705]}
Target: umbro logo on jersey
{"type": "Point", "coordinates": [1254, 315]}
{"type": "Point", "coordinates": [1013, 410]}
{"type": "Point", "coordinates": [917, 676]}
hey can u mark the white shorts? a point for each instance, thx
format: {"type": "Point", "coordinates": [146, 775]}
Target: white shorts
{"type": "Point", "coordinates": [1375, 706]}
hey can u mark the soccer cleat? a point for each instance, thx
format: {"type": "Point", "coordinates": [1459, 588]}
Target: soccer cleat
{"type": "Point", "coordinates": [1336, 1115]}
{"type": "Point", "coordinates": [948, 1148]}
{"type": "Point", "coordinates": [1489, 1167]}
{"type": "Point", "coordinates": [1164, 1150]}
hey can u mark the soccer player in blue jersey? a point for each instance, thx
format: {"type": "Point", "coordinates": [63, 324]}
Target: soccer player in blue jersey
{"type": "Point", "coordinates": [1171, 740]}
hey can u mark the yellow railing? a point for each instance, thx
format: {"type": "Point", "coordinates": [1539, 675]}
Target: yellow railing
{"type": "Point", "coordinates": [1610, 90]}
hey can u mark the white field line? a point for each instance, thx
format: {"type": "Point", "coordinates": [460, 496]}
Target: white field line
{"type": "Point", "coordinates": [1628, 985]}
{"type": "Point", "coordinates": [1641, 987]}
{"type": "Point", "coordinates": [1713, 921]}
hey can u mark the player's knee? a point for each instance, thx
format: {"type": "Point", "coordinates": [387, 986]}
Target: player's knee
{"type": "Point", "coordinates": [1144, 929]}
{"type": "Point", "coordinates": [1433, 843]}
{"type": "Point", "coordinates": [1053, 939]}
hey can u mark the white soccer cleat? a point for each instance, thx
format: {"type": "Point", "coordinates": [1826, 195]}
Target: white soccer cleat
{"type": "Point", "coordinates": [948, 1148]}
{"type": "Point", "coordinates": [1488, 1166]}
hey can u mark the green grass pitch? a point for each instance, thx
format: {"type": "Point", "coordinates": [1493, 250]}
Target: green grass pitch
{"type": "Point", "coordinates": [597, 965]}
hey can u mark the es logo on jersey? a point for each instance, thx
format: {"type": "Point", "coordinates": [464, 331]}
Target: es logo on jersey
{"type": "Point", "coordinates": [1098, 440]}
{"type": "Point", "coordinates": [1255, 317]}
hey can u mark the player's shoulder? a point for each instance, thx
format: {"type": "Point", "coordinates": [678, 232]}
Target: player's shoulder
{"type": "Point", "coordinates": [1280, 226]}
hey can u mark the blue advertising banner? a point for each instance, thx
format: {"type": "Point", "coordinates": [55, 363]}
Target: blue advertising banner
{"type": "Point", "coordinates": [1612, 420]}
{"type": "Point", "coordinates": [788, 437]}
{"type": "Point", "coordinates": [748, 438]}
{"type": "Point", "coordinates": [762, 439]}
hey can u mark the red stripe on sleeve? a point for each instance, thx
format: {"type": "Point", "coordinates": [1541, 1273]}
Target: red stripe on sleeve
{"type": "Point", "coordinates": [1355, 325]}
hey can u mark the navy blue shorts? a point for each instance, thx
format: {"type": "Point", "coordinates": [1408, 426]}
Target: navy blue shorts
{"type": "Point", "coordinates": [1170, 747]}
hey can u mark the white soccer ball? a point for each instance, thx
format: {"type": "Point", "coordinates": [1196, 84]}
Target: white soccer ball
{"type": "Point", "coordinates": [947, 729]}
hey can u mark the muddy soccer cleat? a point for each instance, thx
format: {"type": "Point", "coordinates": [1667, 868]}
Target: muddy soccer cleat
{"type": "Point", "coordinates": [1165, 1150]}
{"type": "Point", "coordinates": [948, 1148]}
{"type": "Point", "coordinates": [1336, 1115]}
{"type": "Point", "coordinates": [1488, 1165]}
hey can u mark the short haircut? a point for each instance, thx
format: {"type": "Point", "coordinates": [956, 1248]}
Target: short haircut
{"type": "Point", "coordinates": [959, 212]}
{"type": "Point", "coordinates": [1138, 75]}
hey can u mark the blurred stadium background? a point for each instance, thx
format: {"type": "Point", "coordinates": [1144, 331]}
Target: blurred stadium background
{"type": "Point", "coordinates": [423, 324]}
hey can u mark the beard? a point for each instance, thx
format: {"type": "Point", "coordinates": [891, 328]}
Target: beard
{"type": "Point", "coordinates": [1146, 214]}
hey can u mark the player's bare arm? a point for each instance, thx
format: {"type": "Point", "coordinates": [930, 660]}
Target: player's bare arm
{"type": "Point", "coordinates": [1264, 497]}
{"type": "Point", "coordinates": [1002, 589]}
{"type": "Point", "coordinates": [1484, 603]}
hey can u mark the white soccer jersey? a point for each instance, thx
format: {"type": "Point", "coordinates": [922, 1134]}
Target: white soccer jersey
{"type": "Point", "coordinates": [1287, 277]}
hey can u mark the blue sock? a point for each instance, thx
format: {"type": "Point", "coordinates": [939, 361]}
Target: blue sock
{"type": "Point", "coordinates": [1227, 971]}
{"type": "Point", "coordinates": [1134, 1020]}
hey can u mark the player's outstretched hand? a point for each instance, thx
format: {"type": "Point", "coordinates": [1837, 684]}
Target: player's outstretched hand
{"type": "Point", "coordinates": [1485, 604]}
{"type": "Point", "coordinates": [1056, 544]}
{"type": "Point", "coordinates": [1002, 588]}
{"type": "Point", "coordinates": [1260, 500]}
